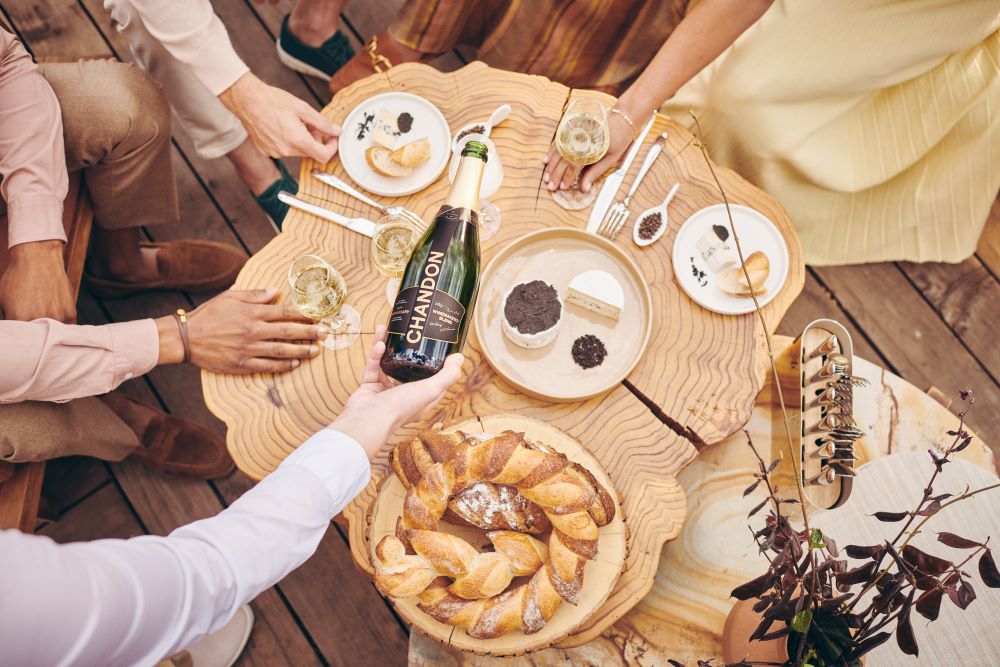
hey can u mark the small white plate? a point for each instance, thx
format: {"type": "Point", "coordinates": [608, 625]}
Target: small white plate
{"type": "Point", "coordinates": [427, 122]}
{"type": "Point", "coordinates": [756, 233]}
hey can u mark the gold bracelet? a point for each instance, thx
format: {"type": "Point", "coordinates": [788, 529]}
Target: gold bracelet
{"type": "Point", "coordinates": [635, 130]}
{"type": "Point", "coordinates": [181, 318]}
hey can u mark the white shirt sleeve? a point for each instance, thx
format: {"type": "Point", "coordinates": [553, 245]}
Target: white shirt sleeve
{"type": "Point", "coordinates": [137, 601]}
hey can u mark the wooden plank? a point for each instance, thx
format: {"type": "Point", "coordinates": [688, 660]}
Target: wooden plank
{"type": "Point", "coordinates": [988, 249]}
{"type": "Point", "coordinates": [70, 480]}
{"type": "Point", "coordinates": [817, 302]}
{"type": "Point", "coordinates": [914, 340]}
{"type": "Point", "coordinates": [19, 497]}
{"type": "Point", "coordinates": [105, 514]}
{"type": "Point", "coordinates": [967, 297]}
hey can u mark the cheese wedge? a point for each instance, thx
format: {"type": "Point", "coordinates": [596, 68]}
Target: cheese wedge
{"type": "Point", "coordinates": [597, 291]}
{"type": "Point", "coordinates": [385, 129]}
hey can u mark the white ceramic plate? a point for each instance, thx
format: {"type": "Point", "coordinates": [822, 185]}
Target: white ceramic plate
{"type": "Point", "coordinates": [756, 233]}
{"type": "Point", "coordinates": [427, 122]}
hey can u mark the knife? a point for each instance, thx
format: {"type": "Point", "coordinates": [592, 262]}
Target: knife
{"type": "Point", "coordinates": [360, 225]}
{"type": "Point", "coordinates": [614, 181]}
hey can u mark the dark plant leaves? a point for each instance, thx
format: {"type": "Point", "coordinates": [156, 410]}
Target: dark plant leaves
{"type": "Point", "coordinates": [923, 561]}
{"type": "Point", "coordinates": [932, 508]}
{"type": "Point", "coordinates": [674, 663]}
{"type": "Point", "coordinates": [831, 546]}
{"type": "Point", "coordinates": [774, 464]}
{"type": "Point", "coordinates": [857, 575]}
{"type": "Point", "coordinates": [962, 595]}
{"type": "Point", "coordinates": [904, 630]}
{"type": "Point", "coordinates": [988, 570]}
{"type": "Point", "coordinates": [854, 551]}
{"type": "Point", "coordinates": [925, 582]}
{"type": "Point", "coordinates": [867, 645]}
{"type": "Point", "coordinates": [750, 489]}
{"type": "Point", "coordinates": [758, 507]}
{"type": "Point", "coordinates": [752, 589]}
{"type": "Point", "coordinates": [777, 634]}
{"type": "Point", "coordinates": [956, 541]}
{"type": "Point", "coordinates": [962, 445]}
{"type": "Point", "coordinates": [929, 604]}
{"type": "Point", "coordinates": [891, 516]}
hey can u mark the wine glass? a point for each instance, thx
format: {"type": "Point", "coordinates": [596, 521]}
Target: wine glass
{"type": "Point", "coordinates": [393, 242]}
{"type": "Point", "coordinates": [582, 139]}
{"type": "Point", "coordinates": [318, 292]}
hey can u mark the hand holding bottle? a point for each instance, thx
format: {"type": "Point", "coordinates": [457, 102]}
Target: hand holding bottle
{"type": "Point", "coordinates": [380, 405]}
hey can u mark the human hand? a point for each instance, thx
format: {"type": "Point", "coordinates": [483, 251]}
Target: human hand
{"type": "Point", "coordinates": [242, 332]}
{"type": "Point", "coordinates": [35, 283]}
{"type": "Point", "coordinates": [279, 123]}
{"type": "Point", "coordinates": [562, 174]}
{"type": "Point", "coordinates": [380, 405]}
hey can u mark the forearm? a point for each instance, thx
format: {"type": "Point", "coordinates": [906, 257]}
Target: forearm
{"type": "Point", "coordinates": [32, 158]}
{"type": "Point", "coordinates": [45, 360]}
{"type": "Point", "coordinates": [708, 30]}
{"type": "Point", "coordinates": [137, 601]}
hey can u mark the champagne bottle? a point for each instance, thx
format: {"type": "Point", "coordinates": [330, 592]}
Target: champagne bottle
{"type": "Point", "coordinates": [431, 314]}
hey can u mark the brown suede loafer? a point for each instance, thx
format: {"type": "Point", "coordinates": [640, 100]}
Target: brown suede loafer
{"type": "Point", "coordinates": [171, 444]}
{"type": "Point", "coordinates": [189, 265]}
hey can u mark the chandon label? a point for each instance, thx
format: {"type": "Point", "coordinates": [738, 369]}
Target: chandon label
{"type": "Point", "coordinates": [423, 311]}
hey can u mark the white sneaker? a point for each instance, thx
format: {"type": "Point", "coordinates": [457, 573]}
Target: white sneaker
{"type": "Point", "coordinates": [219, 649]}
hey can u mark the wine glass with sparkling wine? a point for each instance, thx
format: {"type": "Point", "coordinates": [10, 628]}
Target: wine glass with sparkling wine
{"type": "Point", "coordinates": [392, 244]}
{"type": "Point", "coordinates": [318, 292]}
{"type": "Point", "coordinates": [582, 138]}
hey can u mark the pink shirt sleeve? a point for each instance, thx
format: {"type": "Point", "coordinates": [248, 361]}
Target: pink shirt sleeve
{"type": "Point", "coordinates": [32, 157]}
{"type": "Point", "coordinates": [194, 35]}
{"type": "Point", "coordinates": [46, 360]}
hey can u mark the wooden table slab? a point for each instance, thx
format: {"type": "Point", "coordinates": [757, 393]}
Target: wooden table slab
{"type": "Point", "coordinates": [682, 615]}
{"type": "Point", "coordinates": [696, 384]}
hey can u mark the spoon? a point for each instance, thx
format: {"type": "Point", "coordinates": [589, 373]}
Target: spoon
{"type": "Point", "coordinates": [662, 210]}
{"type": "Point", "coordinates": [498, 116]}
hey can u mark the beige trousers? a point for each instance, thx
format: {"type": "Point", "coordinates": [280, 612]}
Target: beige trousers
{"type": "Point", "coordinates": [116, 124]}
{"type": "Point", "coordinates": [214, 130]}
{"type": "Point", "coordinates": [39, 431]}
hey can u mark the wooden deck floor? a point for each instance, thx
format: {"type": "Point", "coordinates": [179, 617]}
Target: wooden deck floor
{"type": "Point", "coordinates": [934, 324]}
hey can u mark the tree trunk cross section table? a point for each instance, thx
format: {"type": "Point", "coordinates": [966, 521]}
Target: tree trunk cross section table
{"type": "Point", "coordinates": [701, 371]}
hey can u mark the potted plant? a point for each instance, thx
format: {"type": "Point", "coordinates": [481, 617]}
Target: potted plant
{"type": "Point", "coordinates": [808, 609]}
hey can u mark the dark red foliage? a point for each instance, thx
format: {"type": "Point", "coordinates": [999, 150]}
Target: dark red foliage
{"type": "Point", "coordinates": [956, 541]}
{"type": "Point", "coordinates": [988, 570]}
{"type": "Point", "coordinates": [924, 562]}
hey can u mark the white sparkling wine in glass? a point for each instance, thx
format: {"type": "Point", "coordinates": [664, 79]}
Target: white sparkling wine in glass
{"type": "Point", "coordinates": [316, 294]}
{"type": "Point", "coordinates": [392, 245]}
{"type": "Point", "coordinates": [582, 138]}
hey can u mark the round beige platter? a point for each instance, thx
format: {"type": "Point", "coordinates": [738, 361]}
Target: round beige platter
{"type": "Point", "coordinates": [557, 255]}
{"type": "Point", "coordinates": [599, 577]}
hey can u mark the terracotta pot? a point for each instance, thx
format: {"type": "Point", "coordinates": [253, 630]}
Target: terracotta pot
{"type": "Point", "coordinates": [736, 644]}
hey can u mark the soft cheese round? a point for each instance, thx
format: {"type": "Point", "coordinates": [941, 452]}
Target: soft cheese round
{"type": "Point", "coordinates": [528, 306]}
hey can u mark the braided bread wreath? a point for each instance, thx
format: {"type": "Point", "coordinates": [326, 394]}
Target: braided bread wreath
{"type": "Point", "coordinates": [508, 486]}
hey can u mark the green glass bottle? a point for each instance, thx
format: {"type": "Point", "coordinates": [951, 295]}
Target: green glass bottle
{"type": "Point", "coordinates": [431, 314]}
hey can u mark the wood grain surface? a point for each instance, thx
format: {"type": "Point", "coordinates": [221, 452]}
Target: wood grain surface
{"type": "Point", "coordinates": [682, 616]}
{"type": "Point", "coordinates": [696, 361]}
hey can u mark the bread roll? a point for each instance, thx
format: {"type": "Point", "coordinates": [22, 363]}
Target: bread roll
{"type": "Point", "coordinates": [380, 159]}
{"type": "Point", "coordinates": [733, 281]}
{"type": "Point", "coordinates": [413, 154]}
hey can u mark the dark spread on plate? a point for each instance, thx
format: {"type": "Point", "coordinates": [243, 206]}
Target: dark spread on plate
{"type": "Point", "coordinates": [533, 307]}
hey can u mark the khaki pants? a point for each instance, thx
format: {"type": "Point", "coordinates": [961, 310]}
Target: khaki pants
{"type": "Point", "coordinates": [213, 129]}
{"type": "Point", "coordinates": [38, 431]}
{"type": "Point", "coordinates": [116, 123]}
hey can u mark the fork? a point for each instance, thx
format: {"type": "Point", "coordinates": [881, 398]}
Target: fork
{"type": "Point", "coordinates": [337, 184]}
{"type": "Point", "coordinates": [616, 216]}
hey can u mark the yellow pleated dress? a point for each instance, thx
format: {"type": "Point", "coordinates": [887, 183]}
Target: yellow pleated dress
{"type": "Point", "coordinates": [875, 123]}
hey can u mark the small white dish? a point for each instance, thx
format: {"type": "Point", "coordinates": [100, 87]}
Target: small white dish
{"type": "Point", "coordinates": [756, 233]}
{"type": "Point", "coordinates": [664, 219]}
{"type": "Point", "coordinates": [427, 123]}
{"type": "Point", "coordinates": [498, 116]}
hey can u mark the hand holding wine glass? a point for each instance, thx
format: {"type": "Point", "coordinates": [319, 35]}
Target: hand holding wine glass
{"type": "Point", "coordinates": [582, 139]}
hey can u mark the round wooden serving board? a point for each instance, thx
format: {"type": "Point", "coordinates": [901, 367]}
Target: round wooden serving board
{"type": "Point", "coordinates": [599, 575]}
{"type": "Point", "coordinates": [556, 256]}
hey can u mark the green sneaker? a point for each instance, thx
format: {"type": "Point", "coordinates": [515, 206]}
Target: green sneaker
{"type": "Point", "coordinates": [318, 61]}
{"type": "Point", "coordinates": [268, 199]}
